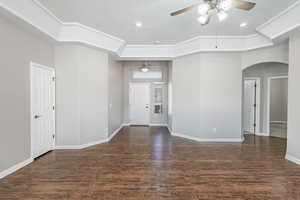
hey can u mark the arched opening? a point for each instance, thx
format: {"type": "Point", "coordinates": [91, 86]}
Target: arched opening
{"type": "Point", "coordinates": [264, 100]}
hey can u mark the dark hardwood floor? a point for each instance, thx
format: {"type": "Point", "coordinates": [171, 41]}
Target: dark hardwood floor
{"type": "Point", "coordinates": [147, 163]}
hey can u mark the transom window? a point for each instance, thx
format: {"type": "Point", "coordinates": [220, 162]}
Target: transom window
{"type": "Point", "coordinates": [157, 75]}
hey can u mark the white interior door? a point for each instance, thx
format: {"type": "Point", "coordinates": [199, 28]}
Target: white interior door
{"type": "Point", "coordinates": [139, 103]}
{"type": "Point", "coordinates": [249, 105]}
{"type": "Point", "coordinates": [42, 109]}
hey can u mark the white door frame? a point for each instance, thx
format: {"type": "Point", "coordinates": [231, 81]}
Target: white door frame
{"type": "Point", "coordinates": [269, 100]}
{"type": "Point", "coordinates": [129, 109]}
{"type": "Point", "coordinates": [258, 96]}
{"type": "Point", "coordinates": [32, 65]}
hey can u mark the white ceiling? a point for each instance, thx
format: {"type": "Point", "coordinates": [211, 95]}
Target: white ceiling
{"type": "Point", "coordinates": [118, 17]}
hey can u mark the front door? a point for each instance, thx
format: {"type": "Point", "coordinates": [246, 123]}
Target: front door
{"type": "Point", "coordinates": [139, 103]}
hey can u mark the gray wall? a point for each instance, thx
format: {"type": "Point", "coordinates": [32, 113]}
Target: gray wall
{"type": "Point", "coordinates": [278, 53]}
{"type": "Point", "coordinates": [93, 80]}
{"type": "Point", "coordinates": [115, 105]}
{"type": "Point", "coordinates": [67, 92]}
{"type": "Point", "coordinates": [82, 94]}
{"type": "Point", "coordinates": [129, 67]}
{"type": "Point", "coordinates": [264, 71]}
{"type": "Point", "coordinates": [278, 100]}
{"type": "Point", "coordinates": [18, 49]}
{"type": "Point", "coordinates": [207, 93]}
{"type": "Point", "coordinates": [293, 136]}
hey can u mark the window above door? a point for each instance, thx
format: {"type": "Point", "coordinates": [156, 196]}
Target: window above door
{"type": "Point", "coordinates": [151, 75]}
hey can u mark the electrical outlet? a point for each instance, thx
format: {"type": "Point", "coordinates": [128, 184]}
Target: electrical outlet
{"type": "Point", "coordinates": [214, 130]}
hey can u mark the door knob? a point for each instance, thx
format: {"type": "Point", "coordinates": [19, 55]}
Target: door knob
{"type": "Point", "coordinates": [37, 116]}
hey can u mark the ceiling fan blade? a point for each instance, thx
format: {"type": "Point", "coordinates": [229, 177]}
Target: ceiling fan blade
{"type": "Point", "coordinates": [244, 5]}
{"type": "Point", "coordinates": [178, 12]}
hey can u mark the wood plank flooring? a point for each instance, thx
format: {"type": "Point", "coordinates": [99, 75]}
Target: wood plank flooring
{"type": "Point", "coordinates": [147, 163]}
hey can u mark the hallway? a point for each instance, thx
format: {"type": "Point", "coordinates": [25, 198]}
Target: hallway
{"type": "Point", "coordinates": [148, 163]}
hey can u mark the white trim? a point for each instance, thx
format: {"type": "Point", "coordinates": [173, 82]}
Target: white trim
{"type": "Point", "coordinates": [293, 159]}
{"type": "Point", "coordinates": [42, 66]}
{"type": "Point", "coordinates": [276, 22]}
{"type": "Point", "coordinates": [32, 65]}
{"type": "Point", "coordinates": [209, 139]}
{"type": "Point", "coordinates": [51, 14]}
{"type": "Point", "coordinates": [15, 168]}
{"type": "Point", "coordinates": [162, 125]}
{"type": "Point", "coordinates": [278, 15]}
{"type": "Point", "coordinates": [269, 99]}
{"type": "Point", "coordinates": [258, 98]}
{"type": "Point", "coordinates": [262, 134]}
{"type": "Point", "coordinates": [278, 122]}
{"type": "Point", "coordinates": [61, 31]}
{"type": "Point", "coordinates": [169, 129]}
{"type": "Point", "coordinates": [219, 37]}
{"type": "Point", "coordinates": [83, 146]}
{"type": "Point", "coordinates": [257, 134]}
{"type": "Point", "coordinates": [115, 133]}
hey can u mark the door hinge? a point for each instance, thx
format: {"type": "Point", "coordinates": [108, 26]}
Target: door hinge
{"type": "Point", "coordinates": [254, 125]}
{"type": "Point", "coordinates": [53, 107]}
{"type": "Point", "coordinates": [53, 78]}
{"type": "Point", "coordinates": [53, 136]}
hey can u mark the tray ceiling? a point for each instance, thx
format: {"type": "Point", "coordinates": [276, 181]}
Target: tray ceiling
{"type": "Point", "coordinates": [118, 18]}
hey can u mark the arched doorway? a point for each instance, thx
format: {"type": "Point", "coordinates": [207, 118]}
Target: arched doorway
{"type": "Point", "coordinates": [264, 99]}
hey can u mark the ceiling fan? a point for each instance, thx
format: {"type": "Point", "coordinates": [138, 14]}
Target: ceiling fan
{"type": "Point", "coordinates": [220, 7]}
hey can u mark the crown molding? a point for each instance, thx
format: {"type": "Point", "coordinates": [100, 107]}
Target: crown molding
{"type": "Point", "coordinates": [148, 51]}
{"type": "Point", "coordinates": [199, 44]}
{"type": "Point", "coordinates": [75, 32]}
{"type": "Point", "coordinates": [48, 23]}
{"type": "Point", "coordinates": [28, 10]}
{"type": "Point", "coordinates": [282, 23]}
{"type": "Point", "coordinates": [47, 11]}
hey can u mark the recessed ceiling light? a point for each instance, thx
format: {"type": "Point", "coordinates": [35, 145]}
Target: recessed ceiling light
{"type": "Point", "coordinates": [244, 24]}
{"type": "Point", "coordinates": [139, 24]}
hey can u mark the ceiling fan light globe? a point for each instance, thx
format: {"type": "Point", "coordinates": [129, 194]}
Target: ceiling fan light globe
{"type": "Point", "coordinates": [222, 15]}
{"type": "Point", "coordinates": [203, 19]}
{"type": "Point", "coordinates": [225, 5]}
{"type": "Point", "coordinates": [203, 9]}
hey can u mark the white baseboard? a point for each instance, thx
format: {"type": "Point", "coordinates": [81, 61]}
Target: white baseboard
{"type": "Point", "coordinates": [83, 146]}
{"type": "Point", "coordinates": [163, 125]}
{"type": "Point", "coordinates": [292, 159]}
{"type": "Point", "coordinates": [115, 133]}
{"type": "Point", "coordinates": [170, 130]}
{"type": "Point", "coordinates": [262, 134]}
{"type": "Point", "coordinates": [80, 146]}
{"type": "Point", "coordinates": [15, 168]}
{"type": "Point", "coordinates": [209, 139]}
{"type": "Point", "coordinates": [278, 122]}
